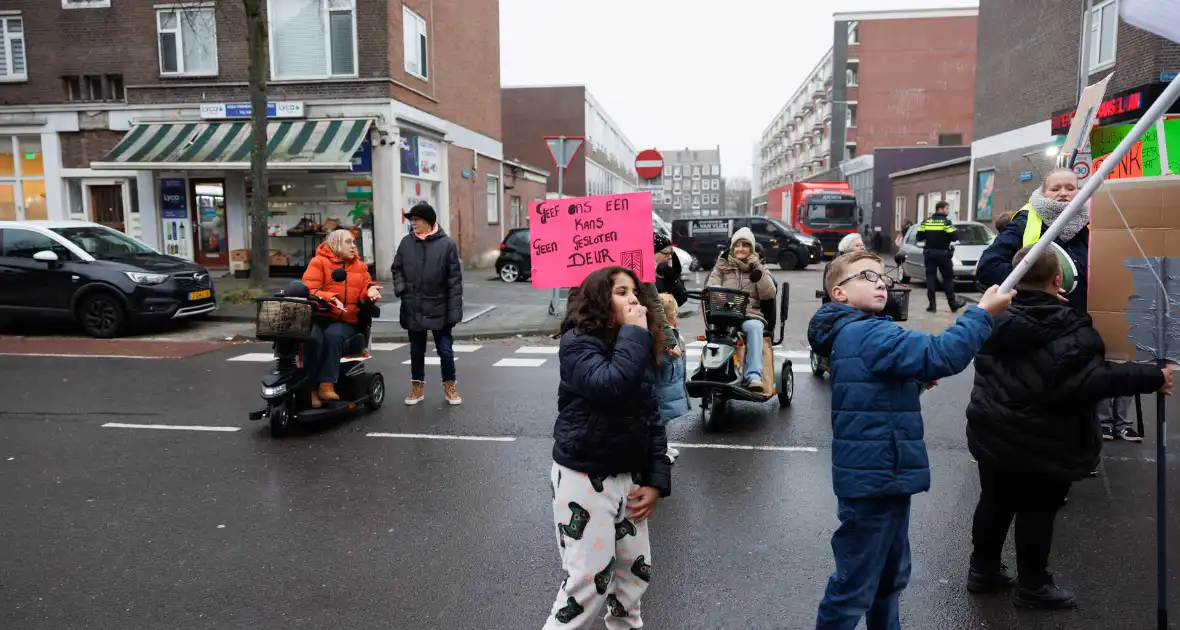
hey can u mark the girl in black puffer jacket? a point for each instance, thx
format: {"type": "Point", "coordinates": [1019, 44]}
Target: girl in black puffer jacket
{"type": "Point", "coordinates": [1033, 427]}
{"type": "Point", "coordinates": [609, 451]}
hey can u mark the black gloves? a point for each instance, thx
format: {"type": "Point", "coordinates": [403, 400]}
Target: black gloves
{"type": "Point", "coordinates": [755, 275]}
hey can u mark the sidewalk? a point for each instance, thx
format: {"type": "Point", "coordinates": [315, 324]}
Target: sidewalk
{"type": "Point", "coordinates": [482, 320]}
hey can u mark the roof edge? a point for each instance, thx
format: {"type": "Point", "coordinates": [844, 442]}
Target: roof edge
{"type": "Point", "coordinates": [932, 167]}
{"type": "Point", "coordinates": [906, 14]}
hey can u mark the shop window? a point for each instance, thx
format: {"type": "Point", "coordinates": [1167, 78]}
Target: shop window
{"type": "Point", "coordinates": [312, 38]}
{"type": "Point", "coordinates": [34, 193]}
{"type": "Point", "coordinates": [416, 40]}
{"type": "Point", "coordinates": [493, 200]}
{"type": "Point", "coordinates": [12, 50]}
{"type": "Point", "coordinates": [1104, 27]}
{"type": "Point", "coordinates": [31, 162]}
{"type": "Point", "coordinates": [188, 41]}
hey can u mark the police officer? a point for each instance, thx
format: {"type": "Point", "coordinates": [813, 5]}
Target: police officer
{"type": "Point", "coordinates": [938, 233]}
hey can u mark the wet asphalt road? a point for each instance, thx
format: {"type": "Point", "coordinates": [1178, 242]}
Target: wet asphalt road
{"type": "Point", "coordinates": [133, 528]}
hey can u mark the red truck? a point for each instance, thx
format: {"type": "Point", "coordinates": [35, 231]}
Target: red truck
{"type": "Point", "coordinates": [825, 210]}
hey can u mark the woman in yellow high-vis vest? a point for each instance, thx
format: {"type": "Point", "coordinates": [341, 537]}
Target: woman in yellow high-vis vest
{"type": "Point", "coordinates": [1025, 228]}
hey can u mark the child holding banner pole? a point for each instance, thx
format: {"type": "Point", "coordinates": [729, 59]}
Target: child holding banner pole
{"type": "Point", "coordinates": [1153, 115]}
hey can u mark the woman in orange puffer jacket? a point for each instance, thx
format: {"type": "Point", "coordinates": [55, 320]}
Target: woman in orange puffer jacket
{"type": "Point", "coordinates": [323, 351]}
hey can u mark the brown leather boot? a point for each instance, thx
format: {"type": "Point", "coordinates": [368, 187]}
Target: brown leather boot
{"type": "Point", "coordinates": [452, 393]}
{"type": "Point", "coordinates": [417, 392]}
{"type": "Point", "coordinates": [316, 403]}
{"type": "Point", "coordinates": [328, 391]}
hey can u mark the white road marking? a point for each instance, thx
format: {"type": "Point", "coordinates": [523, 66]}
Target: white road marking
{"type": "Point", "coordinates": [429, 361]}
{"type": "Point", "coordinates": [519, 363]}
{"type": "Point", "coordinates": [427, 436]}
{"type": "Point", "coordinates": [256, 357]}
{"type": "Point", "coordinates": [479, 313]}
{"type": "Point", "coordinates": [465, 348]}
{"type": "Point", "coordinates": [538, 350]}
{"type": "Point", "coordinates": [169, 427]}
{"type": "Point", "coordinates": [386, 347]}
{"type": "Point", "coordinates": [745, 447]}
{"type": "Point", "coordinates": [77, 356]}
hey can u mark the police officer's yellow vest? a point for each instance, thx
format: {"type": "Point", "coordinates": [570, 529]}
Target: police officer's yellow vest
{"type": "Point", "coordinates": [1032, 227]}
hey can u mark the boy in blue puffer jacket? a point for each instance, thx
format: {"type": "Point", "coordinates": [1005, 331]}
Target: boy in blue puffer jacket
{"type": "Point", "coordinates": [671, 392]}
{"type": "Point", "coordinates": [878, 454]}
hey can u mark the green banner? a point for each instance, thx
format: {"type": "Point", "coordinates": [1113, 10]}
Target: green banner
{"type": "Point", "coordinates": [1144, 160]}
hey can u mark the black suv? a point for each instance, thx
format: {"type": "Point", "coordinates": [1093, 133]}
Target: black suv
{"type": "Point", "coordinates": [515, 261]}
{"type": "Point", "coordinates": [103, 279]}
{"type": "Point", "coordinates": [708, 238]}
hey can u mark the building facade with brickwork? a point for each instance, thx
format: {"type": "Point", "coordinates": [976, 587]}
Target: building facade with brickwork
{"type": "Point", "coordinates": [893, 78]}
{"type": "Point", "coordinates": [1034, 60]}
{"type": "Point", "coordinates": [144, 124]}
{"type": "Point", "coordinates": [606, 162]}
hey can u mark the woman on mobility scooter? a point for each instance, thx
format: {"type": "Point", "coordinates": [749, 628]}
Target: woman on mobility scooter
{"type": "Point", "coordinates": [741, 269]}
{"type": "Point", "coordinates": [324, 350]}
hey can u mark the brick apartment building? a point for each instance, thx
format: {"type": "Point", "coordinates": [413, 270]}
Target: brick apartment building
{"type": "Point", "coordinates": [1030, 72]}
{"type": "Point", "coordinates": [690, 185]}
{"type": "Point", "coordinates": [143, 123]}
{"type": "Point", "coordinates": [605, 164]}
{"type": "Point", "coordinates": [895, 78]}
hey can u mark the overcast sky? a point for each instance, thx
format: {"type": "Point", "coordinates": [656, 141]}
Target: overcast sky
{"type": "Point", "coordinates": [677, 73]}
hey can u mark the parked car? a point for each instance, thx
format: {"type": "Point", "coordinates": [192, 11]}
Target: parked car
{"type": "Point", "coordinates": [99, 277]}
{"type": "Point", "coordinates": [973, 238]}
{"type": "Point", "coordinates": [515, 260]}
{"type": "Point", "coordinates": [707, 238]}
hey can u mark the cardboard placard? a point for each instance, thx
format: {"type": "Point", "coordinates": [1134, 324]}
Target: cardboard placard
{"type": "Point", "coordinates": [572, 237]}
{"type": "Point", "coordinates": [1122, 294]}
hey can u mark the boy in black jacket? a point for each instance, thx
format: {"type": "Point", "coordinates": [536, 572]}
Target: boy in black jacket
{"type": "Point", "coordinates": [1033, 428]}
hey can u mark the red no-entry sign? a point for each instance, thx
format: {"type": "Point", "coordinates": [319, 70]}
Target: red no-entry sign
{"type": "Point", "coordinates": [649, 164]}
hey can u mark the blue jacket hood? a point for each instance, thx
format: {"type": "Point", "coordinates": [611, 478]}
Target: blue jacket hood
{"type": "Point", "coordinates": [828, 321]}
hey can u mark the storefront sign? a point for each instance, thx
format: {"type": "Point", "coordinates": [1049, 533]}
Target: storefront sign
{"type": "Point", "coordinates": [173, 204]}
{"type": "Point", "coordinates": [1124, 106]}
{"type": "Point", "coordinates": [281, 109]}
{"type": "Point", "coordinates": [1146, 158]}
{"type": "Point", "coordinates": [421, 157]}
{"type": "Point", "coordinates": [1167, 77]}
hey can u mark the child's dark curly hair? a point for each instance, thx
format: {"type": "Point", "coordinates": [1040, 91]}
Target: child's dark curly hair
{"type": "Point", "coordinates": [590, 311]}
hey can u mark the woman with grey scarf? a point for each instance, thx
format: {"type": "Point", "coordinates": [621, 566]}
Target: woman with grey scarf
{"type": "Point", "coordinates": [1043, 207]}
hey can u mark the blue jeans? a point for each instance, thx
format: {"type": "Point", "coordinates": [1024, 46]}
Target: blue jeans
{"type": "Point", "coordinates": [321, 354]}
{"type": "Point", "coordinates": [753, 328]}
{"type": "Point", "coordinates": [443, 345]}
{"type": "Point", "coordinates": [872, 550]}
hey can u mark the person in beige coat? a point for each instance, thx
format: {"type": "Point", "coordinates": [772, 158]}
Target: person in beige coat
{"type": "Point", "coordinates": [741, 269]}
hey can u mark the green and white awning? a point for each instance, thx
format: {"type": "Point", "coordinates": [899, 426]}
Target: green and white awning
{"type": "Point", "coordinates": [292, 145]}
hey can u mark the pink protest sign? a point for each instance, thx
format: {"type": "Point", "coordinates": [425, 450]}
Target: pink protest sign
{"type": "Point", "coordinates": [572, 237]}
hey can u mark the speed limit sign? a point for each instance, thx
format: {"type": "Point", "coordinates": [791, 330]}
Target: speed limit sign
{"type": "Point", "coordinates": [1081, 169]}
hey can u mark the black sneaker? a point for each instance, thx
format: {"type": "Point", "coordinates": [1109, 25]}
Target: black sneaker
{"type": "Point", "coordinates": [931, 309]}
{"type": "Point", "coordinates": [1107, 433]}
{"type": "Point", "coordinates": [991, 582]}
{"type": "Point", "coordinates": [1048, 597]}
{"type": "Point", "coordinates": [958, 304]}
{"type": "Point", "coordinates": [1130, 435]}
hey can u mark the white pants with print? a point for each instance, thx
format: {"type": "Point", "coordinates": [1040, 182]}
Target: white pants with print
{"type": "Point", "coordinates": [606, 556]}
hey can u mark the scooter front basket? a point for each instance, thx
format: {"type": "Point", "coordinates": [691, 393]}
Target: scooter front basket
{"type": "Point", "coordinates": [281, 319]}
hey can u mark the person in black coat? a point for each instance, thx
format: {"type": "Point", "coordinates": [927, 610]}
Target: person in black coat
{"type": "Point", "coordinates": [609, 450]}
{"type": "Point", "coordinates": [1033, 428]}
{"type": "Point", "coordinates": [669, 270]}
{"type": "Point", "coordinates": [428, 278]}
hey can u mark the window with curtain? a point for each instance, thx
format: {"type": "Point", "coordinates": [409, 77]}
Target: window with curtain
{"type": "Point", "coordinates": [493, 199]}
{"type": "Point", "coordinates": [188, 41]}
{"type": "Point", "coordinates": [415, 36]}
{"type": "Point", "coordinates": [312, 38]}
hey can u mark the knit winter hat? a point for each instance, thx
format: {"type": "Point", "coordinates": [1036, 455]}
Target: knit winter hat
{"type": "Point", "coordinates": [662, 242]}
{"type": "Point", "coordinates": [423, 211]}
{"type": "Point", "coordinates": [743, 234]}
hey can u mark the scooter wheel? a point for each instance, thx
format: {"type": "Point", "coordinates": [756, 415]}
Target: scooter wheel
{"type": "Point", "coordinates": [786, 386]}
{"type": "Point", "coordinates": [376, 392]}
{"type": "Point", "coordinates": [712, 410]}
{"type": "Point", "coordinates": [817, 367]}
{"type": "Point", "coordinates": [280, 421]}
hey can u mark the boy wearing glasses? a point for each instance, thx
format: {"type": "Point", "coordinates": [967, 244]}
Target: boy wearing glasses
{"type": "Point", "coordinates": [878, 454]}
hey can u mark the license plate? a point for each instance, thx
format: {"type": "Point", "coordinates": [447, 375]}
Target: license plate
{"type": "Point", "coordinates": [199, 295]}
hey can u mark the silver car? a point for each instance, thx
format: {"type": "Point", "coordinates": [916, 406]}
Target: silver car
{"type": "Point", "coordinates": [971, 237]}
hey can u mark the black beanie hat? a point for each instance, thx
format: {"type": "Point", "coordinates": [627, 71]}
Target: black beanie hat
{"type": "Point", "coordinates": [423, 211]}
{"type": "Point", "coordinates": [662, 242]}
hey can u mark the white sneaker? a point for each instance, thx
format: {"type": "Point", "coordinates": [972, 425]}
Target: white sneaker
{"type": "Point", "coordinates": [674, 452]}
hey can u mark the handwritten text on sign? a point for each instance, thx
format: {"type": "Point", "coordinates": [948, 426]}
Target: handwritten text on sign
{"type": "Point", "coordinates": [569, 238]}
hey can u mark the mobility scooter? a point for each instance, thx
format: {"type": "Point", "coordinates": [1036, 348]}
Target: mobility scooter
{"type": "Point", "coordinates": [287, 320]}
{"type": "Point", "coordinates": [717, 378]}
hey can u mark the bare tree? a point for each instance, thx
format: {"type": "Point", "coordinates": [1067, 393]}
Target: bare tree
{"type": "Point", "coordinates": [256, 41]}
